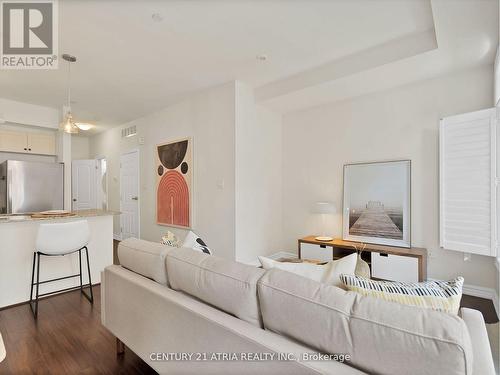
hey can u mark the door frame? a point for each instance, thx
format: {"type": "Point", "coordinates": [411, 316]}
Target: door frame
{"type": "Point", "coordinates": [99, 158]}
{"type": "Point", "coordinates": [132, 151]}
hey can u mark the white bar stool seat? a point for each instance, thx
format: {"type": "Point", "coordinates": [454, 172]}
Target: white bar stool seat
{"type": "Point", "coordinates": [59, 239]}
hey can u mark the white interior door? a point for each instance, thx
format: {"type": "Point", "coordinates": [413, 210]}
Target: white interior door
{"type": "Point", "coordinates": [129, 194]}
{"type": "Point", "coordinates": [83, 184]}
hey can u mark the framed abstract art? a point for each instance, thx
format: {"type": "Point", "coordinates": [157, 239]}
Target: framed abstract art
{"type": "Point", "coordinates": [174, 171]}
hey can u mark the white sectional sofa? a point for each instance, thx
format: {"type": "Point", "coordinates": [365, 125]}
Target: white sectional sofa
{"type": "Point", "coordinates": [185, 312]}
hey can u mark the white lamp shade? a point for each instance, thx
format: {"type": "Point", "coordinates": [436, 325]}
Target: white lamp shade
{"type": "Point", "coordinates": [324, 208]}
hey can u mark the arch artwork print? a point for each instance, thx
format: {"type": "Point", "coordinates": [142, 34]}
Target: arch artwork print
{"type": "Point", "coordinates": [174, 183]}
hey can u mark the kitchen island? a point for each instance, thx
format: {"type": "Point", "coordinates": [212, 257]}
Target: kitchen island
{"type": "Point", "coordinates": [17, 244]}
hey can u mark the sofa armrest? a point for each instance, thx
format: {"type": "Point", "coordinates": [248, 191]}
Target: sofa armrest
{"type": "Point", "coordinates": [483, 359]}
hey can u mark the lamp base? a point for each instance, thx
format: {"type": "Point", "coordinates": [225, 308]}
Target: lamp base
{"type": "Point", "coordinates": [323, 238]}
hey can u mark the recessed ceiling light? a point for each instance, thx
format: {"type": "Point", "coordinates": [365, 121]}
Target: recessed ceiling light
{"type": "Point", "coordinates": [157, 17]}
{"type": "Point", "coordinates": [84, 126]}
{"type": "Point", "coordinates": [261, 57]}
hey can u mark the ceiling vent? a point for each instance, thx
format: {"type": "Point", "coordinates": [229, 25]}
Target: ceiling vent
{"type": "Point", "coordinates": [129, 132]}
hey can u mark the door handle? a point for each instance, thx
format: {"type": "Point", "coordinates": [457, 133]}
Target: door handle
{"type": "Point", "coordinates": [135, 198]}
{"type": "Point", "coordinates": [74, 199]}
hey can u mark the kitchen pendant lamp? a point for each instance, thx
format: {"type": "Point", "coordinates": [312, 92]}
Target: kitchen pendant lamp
{"type": "Point", "coordinates": [68, 125]}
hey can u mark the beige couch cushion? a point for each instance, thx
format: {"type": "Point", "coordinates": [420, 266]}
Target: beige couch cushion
{"type": "Point", "coordinates": [224, 284]}
{"type": "Point", "coordinates": [151, 319]}
{"type": "Point", "coordinates": [382, 337]}
{"type": "Point", "coordinates": [145, 258]}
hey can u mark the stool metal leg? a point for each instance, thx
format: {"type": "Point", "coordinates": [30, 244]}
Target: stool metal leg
{"type": "Point", "coordinates": [32, 276]}
{"type": "Point", "coordinates": [80, 264]}
{"type": "Point", "coordinates": [36, 262]}
{"type": "Point", "coordinates": [91, 297]}
{"type": "Point", "coordinates": [35, 309]}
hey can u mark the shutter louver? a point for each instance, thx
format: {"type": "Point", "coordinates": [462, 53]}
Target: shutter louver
{"type": "Point", "coordinates": [468, 182]}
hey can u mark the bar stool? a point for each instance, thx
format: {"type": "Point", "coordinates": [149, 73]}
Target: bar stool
{"type": "Point", "coordinates": [60, 239]}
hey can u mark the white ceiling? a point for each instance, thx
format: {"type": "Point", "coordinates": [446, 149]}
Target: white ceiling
{"type": "Point", "coordinates": [465, 36]}
{"type": "Point", "coordinates": [128, 65]}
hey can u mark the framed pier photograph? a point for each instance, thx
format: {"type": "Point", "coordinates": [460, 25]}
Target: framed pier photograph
{"type": "Point", "coordinates": [377, 202]}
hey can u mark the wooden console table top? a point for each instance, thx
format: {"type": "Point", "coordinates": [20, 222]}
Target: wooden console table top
{"type": "Point", "coordinates": [338, 243]}
{"type": "Point", "coordinates": [340, 247]}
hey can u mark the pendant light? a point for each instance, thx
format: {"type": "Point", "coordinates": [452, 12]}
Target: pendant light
{"type": "Point", "coordinates": [68, 125]}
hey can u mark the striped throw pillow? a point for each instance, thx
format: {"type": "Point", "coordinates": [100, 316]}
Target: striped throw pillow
{"type": "Point", "coordinates": [437, 295]}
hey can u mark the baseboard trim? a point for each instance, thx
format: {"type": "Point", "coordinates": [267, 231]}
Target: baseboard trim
{"type": "Point", "coordinates": [482, 292]}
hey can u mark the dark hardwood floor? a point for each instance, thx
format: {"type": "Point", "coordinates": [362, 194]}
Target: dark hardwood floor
{"type": "Point", "coordinates": [68, 338]}
{"type": "Point", "coordinates": [115, 252]}
{"type": "Point", "coordinates": [482, 304]}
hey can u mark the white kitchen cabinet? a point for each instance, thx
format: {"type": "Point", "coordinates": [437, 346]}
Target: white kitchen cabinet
{"type": "Point", "coordinates": [27, 142]}
{"type": "Point", "coordinates": [44, 144]}
{"type": "Point", "coordinates": [13, 141]}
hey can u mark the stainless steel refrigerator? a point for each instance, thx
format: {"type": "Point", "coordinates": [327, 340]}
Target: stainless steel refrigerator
{"type": "Point", "coordinates": [27, 186]}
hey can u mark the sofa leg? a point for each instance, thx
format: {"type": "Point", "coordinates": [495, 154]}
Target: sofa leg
{"type": "Point", "coordinates": [120, 347]}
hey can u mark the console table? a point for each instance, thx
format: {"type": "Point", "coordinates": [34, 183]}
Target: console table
{"type": "Point", "coordinates": [386, 262]}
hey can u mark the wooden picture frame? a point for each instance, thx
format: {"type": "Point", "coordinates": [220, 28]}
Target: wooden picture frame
{"type": "Point", "coordinates": [377, 203]}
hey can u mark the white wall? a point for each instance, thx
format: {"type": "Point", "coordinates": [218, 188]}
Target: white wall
{"type": "Point", "coordinates": [29, 114]}
{"type": "Point", "coordinates": [258, 178]}
{"type": "Point", "coordinates": [398, 124]}
{"type": "Point", "coordinates": [80, 147]}
{"type": "Point", "coordinates": [207, 117]}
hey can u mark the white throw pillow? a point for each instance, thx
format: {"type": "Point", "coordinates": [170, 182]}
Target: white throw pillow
{"type": "Point", "coordinates": [328, 273]}
{"type": "Point", "coordinates": [193, 241]}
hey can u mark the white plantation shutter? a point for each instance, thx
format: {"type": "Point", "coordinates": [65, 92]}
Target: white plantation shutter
{"type": "Point", "coordinates": [467, 156]}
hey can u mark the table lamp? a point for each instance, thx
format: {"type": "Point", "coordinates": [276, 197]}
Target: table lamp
{"type": "Point", "coordinates": [324, 209]}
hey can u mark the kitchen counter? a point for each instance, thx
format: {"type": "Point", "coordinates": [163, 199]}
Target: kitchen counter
{"type": "Point", "coordinates": [78, 214]}
{"type": "Point", "coordinates": [17, 245]}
